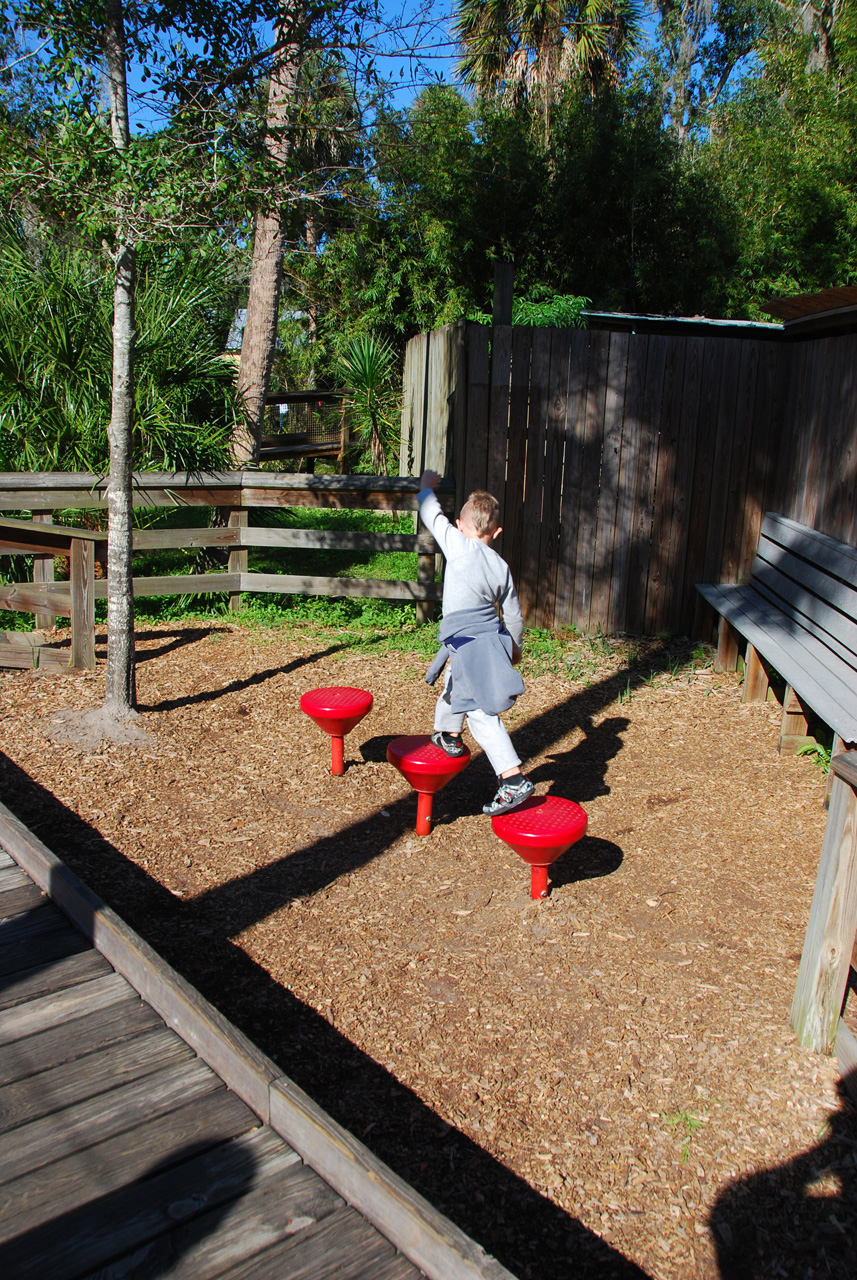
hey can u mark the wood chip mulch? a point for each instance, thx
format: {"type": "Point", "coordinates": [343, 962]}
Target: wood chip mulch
{"type": "Point", "coordinates": [603, 1083]}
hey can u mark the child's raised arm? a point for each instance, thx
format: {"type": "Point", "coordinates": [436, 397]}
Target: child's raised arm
{"type": "Point", "coordinates": [429, 480]}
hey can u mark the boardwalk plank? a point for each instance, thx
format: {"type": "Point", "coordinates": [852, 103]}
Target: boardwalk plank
{"type": "Point", "coordinates": [14, 902]}
{"type": "Point", "coordinates": [83, 1125]}
{"type": "Point", "coordinates": [68, 971]}
{"type": "Point", "coordinates": [340, 1246]}
{"type": "Point", "coordinates": [53, 1090]}
{"type": "Point", "coordinates": [254, 1219]}
{"type": "Point", "coordinates": [60, 1206]}
{"type": "Point", "coordinates": [91, 1032]}
{"type": "Point", "coordinates": [34, 938]}
{"type": "Point", "coordinates": [156, 1219]}
{"type": "Point", "coordinates": [64, 1006]}
{"type": "Point", "coordinates": [11, 877]}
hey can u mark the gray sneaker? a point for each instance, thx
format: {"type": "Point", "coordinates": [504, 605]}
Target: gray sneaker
{"type": "Point", "coordinates": [449, 742]}
{"type": "Point", "coordinates": [512, 792]}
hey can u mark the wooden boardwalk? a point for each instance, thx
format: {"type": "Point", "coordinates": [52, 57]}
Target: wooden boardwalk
{"type": "Point", "coordinates": [124, 1154]}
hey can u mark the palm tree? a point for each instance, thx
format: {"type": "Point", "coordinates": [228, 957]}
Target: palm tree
{"type": "Point", "coordinates": [531, 48]}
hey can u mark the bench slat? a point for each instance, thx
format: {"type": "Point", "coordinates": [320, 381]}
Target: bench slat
{"type": "Point", "coordinates": [830, 555]}
{"type": "Point", "coordinates": [842, 594]}
{"type": "Point", "coordinates": [828, 624]}
{"type": "Point", "coordinates": [820, 679]}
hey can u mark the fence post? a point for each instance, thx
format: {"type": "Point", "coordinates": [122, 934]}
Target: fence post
{"type": "Point", "coordinates": [82, 565]}
{"type": "Point", "coordinates": [826, 957]}
{"type": "Point", "coordinates": [425, 575]}
{"type": "Point", "coordinates": [43, 571]}
{"type": "Point", "coordinates": [238, 519]}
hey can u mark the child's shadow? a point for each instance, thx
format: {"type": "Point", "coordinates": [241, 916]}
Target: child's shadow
{"type": "Point", "coordinates": [579, 774]}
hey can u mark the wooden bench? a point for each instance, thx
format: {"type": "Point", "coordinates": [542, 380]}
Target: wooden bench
{"type": "Point", "coordinates": [74, 599]}
{"type": "Point", "coordinates": [798, 616]}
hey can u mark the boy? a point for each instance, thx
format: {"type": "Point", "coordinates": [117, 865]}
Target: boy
{"type": "Point", "coordinates": [481, 680]}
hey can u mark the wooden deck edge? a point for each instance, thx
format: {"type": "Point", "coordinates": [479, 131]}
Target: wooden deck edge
{"type": "Point", "coordinates": [428, 1239]}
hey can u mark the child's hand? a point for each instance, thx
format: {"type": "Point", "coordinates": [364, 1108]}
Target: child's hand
{"type": "Point", "coordinates": [517, 655]}
{"type": "Point", "coordinates": [429, 480]}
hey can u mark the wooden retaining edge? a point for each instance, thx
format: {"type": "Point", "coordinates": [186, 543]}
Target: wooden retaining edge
{"type": "Point", "coordinates": [427, 1239]}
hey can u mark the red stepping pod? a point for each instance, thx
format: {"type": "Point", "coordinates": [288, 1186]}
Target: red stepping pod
{"type": "Point", "coordinates": [427, 768]}
{"type": "Point", "coordinates": [540, 831]}
{"type": "Point", "coordinates": [336, 710]}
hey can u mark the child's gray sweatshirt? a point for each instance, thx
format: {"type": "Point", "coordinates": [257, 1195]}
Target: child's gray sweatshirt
{"type": "Point", "coordinates": [475, 574]}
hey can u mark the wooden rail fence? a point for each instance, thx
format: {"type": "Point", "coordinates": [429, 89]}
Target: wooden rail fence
{"type": "Point", "coordinates": [239, 492]}
{"type": "Point", "coordinates": [632, 465]}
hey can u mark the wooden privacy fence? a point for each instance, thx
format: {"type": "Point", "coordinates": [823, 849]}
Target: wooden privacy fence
{"type": "Point", "coordinates": [239, 492]}
{"type": "Point", "coordinates": [631, 466]}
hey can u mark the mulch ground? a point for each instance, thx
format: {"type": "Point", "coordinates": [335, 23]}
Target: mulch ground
{"type": "Point", "coordinates": [601, 1083]}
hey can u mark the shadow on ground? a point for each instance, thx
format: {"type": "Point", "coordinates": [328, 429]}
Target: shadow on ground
{"type": "Point", "coordinates": [799, 1218]}
{"type": "Point", "coordinates": [529, 1234]}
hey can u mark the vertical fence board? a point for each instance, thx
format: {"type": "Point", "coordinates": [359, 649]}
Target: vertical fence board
{"type": "Point", "coordinates": [791, 461]}
{"type": "Point", "coordinates": [719, 478]}
{"type": "Point", "coordinates": [836, 507]}
{"type": "Point", "coordinates": [459, 411]}
{"type": "Point", "coordinates": [406, 460]}
{"type": "Point", "coordinates": [764, 432]}
{"type": "Point", "coordinates": [528, 585]}
{"type": "Point", "coordinates": [593, 445]}
{"type": "Point", "coordinates": [700, 499]}
{"type": "Point", "coordinates": [608, 495]}
{"type": "Point", "coordinates": [815, 428]}
{"type": "Point", "coordinates": [512, 500]}
{"type": "Point", "coordinates": [498, 416]}
{"type": "Point", "coordinates": [641, 540]}
{"type": "Point", "coordinates": [478, 374]}
{"type": "Point", "coordinates": [739, 462]}
{"type": "Point", "coordinates": [438, 404]}
{"type": "Point", "coordinates": [638, 354]}
{"type": "Point", "coordinates": [666, 495]}
{"type": "Point", "coordinates": [572, 474]}
{"type": "Point", "coordinates": [555, 423]}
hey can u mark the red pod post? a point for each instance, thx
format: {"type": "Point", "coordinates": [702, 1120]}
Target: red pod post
{"type": "Point", "coordinates": [427, 768]}
{"type": "Point", "coordinates": [336, 710]}
{"type": "Point", "coordinates": [540, 831]}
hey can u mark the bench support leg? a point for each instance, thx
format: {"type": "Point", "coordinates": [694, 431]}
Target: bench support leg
{"type": "Point", "coordinates": [826, 956]}
{"type": "Point", "coordinates": [755, 678]}
{"type": "Point", "coordinates": [793, 728]}
{"type": "Point", "coordinates": [726, 658]}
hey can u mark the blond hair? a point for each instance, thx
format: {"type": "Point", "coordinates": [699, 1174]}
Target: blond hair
{"type": "Point", "coordinates": [483, 509]}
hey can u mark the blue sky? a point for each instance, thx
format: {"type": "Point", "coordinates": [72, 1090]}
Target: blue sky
{"type": "Point", "coordinates": [413, 45]}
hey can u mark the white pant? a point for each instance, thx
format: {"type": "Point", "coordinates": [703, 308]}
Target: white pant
{"type": "Point", "coordinates": [489, 732]}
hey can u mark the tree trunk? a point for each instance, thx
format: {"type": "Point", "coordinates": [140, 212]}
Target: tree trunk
{"type": "Point", "coordinates": [120, 693]}
{"type": "Point", "coordinates": [259, 343]}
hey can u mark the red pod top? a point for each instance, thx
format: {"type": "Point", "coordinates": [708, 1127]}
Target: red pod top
{"type": "Point", "coordinates": [425, 766]}
{"type": "Point", "coordinates": [542, 828]}
{"type": "Point", "coordinates": [338, 708]}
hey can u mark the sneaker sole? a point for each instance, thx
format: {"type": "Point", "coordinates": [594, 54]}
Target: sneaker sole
{"type": "Point", "coordinates": [456, 753]}
{"type": "Point", "coordinates": [491, 812]}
